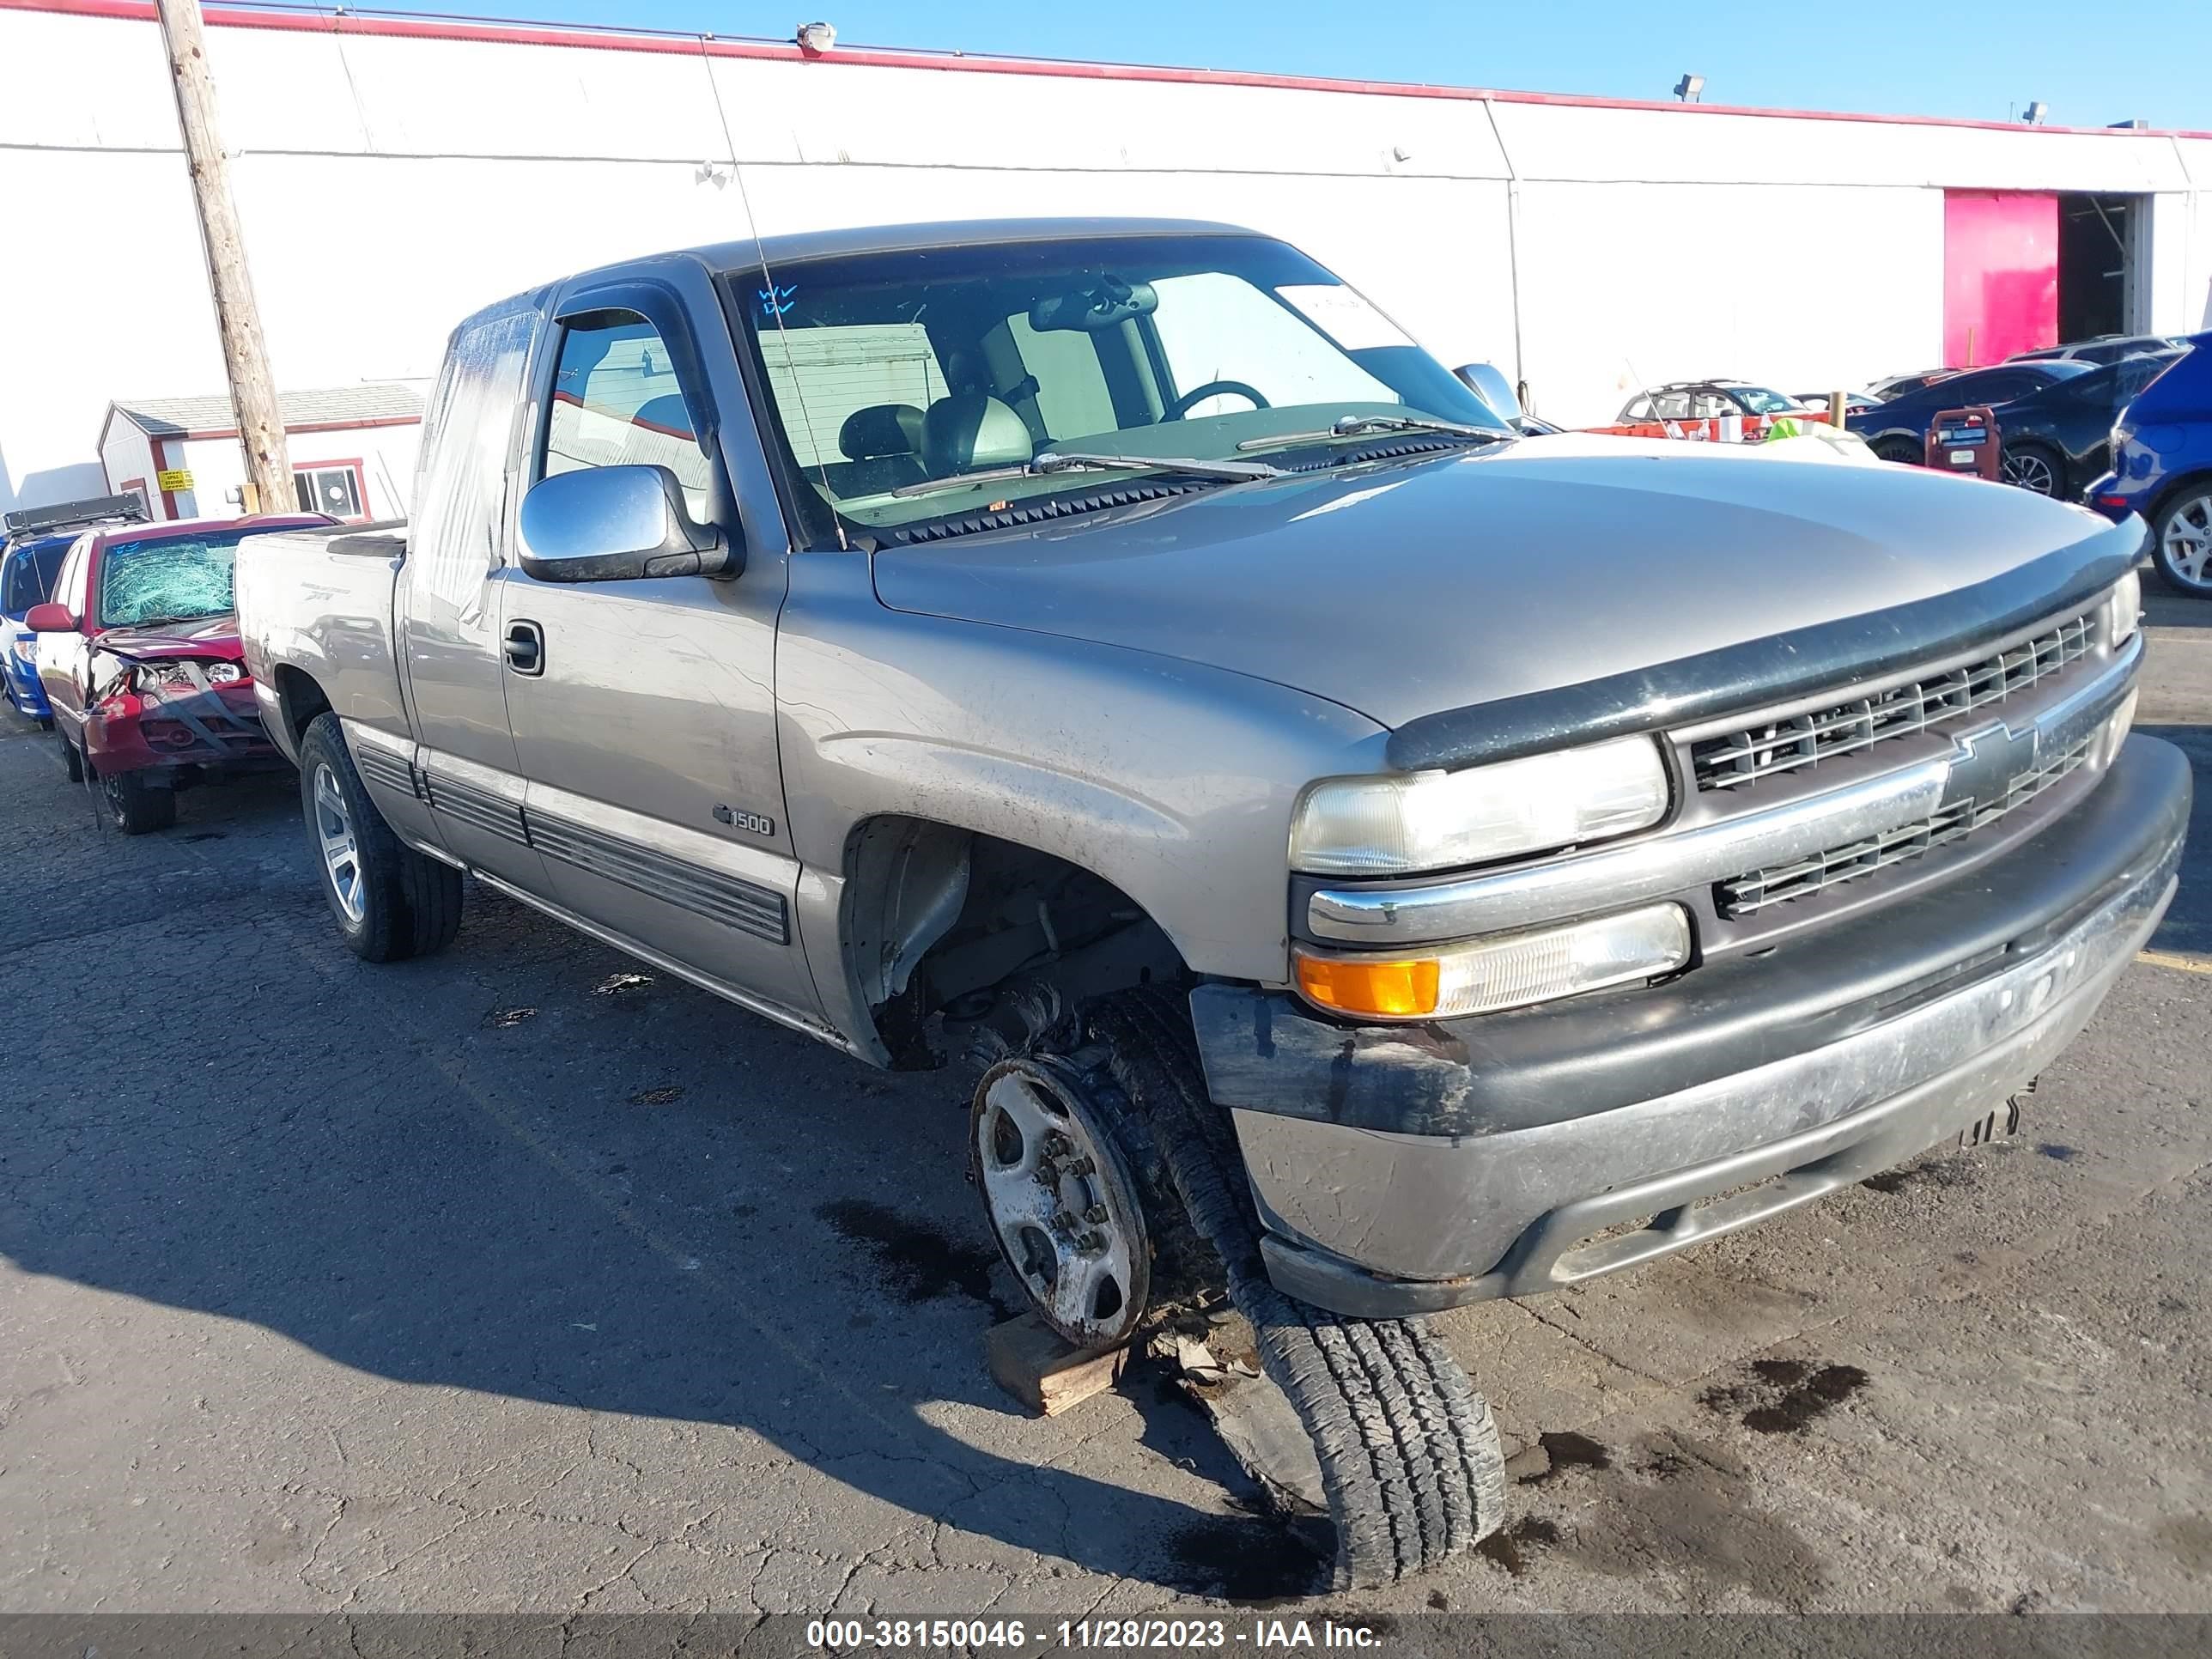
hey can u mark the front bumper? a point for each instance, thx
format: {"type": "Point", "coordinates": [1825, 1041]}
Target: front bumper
{"type": "Point", "coordinates": [24, 687]}
{"type": "Point", "coordinates": [218, 727]}
{"type": "Point", "coordinates": [1402, 1170]}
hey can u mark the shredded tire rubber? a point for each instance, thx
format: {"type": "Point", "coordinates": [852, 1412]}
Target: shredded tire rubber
{"type": "Point", "coordinates": [1410, 1459]}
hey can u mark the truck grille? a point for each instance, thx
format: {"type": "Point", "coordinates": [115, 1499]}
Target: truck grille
{"type": "Point", "coordinates": [1736, 758]}
{"type": "Point", "coordinates": [1745, 895]}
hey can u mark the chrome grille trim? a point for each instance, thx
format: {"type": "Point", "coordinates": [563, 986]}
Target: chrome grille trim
{"type": "Point", "coordinates": [1747, 895]}
{"type": "Point", "coordinates": [1736, 758]}
{"type": "Point", "coordinates": [1755, 833]}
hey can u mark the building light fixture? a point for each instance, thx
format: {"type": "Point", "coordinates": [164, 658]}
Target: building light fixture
{"type": "Point", "coordinates": [1691, 88]}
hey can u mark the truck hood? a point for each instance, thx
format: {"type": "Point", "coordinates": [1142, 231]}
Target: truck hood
{"type": "Point", "coordinates": [1402, 589]}
{"type": "Point", "coordinates": [208, 638]}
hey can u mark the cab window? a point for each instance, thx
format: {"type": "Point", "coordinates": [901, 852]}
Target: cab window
{"type": "Point", "coordinates": [617, 402]}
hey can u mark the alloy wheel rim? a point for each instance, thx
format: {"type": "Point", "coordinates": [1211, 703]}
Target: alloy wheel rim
{"type": "Point", "coordinates": [2030, 472]}
{"type": "Point", "coordinates": [2187, 542]}
{"type": "Point", "coordinates": [341, 853]}
{"type": "Point", "coordinates": [1062, 1203]}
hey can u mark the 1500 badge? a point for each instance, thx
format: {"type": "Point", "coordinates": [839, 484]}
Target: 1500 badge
{"type": "Point", "coordinates": [751, 823]}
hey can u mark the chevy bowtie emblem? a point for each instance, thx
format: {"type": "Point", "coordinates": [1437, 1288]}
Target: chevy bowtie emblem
{"type": "Point", "coordinates": [1984, 762]}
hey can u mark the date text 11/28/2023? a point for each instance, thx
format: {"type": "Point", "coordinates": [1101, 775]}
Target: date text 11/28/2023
{"type": "Point", "coordinates": [1260, 1635]}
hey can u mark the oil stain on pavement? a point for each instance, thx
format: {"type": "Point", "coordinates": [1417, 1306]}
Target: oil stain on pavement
{"type": "Point", "coordinates": [921, 1262]}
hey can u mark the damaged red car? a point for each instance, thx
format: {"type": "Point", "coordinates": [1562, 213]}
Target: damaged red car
{"type": "Point", "coordinates": [138, 652]}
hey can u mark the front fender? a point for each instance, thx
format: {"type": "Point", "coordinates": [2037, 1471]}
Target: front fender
{"type": "Point", "coordinates": [1174, 782]}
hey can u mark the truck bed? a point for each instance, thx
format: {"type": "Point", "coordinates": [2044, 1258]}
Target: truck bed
{"type": "Point", "coordinates": [320, 601]}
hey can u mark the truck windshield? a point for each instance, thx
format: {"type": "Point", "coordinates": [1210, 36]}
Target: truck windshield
{"type": "Point", "coordinates": [891, 370]}
{"type": "Point", "coordinates": [168, 580]}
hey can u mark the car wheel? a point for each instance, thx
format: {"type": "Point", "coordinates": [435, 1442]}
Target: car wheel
{"type": "Point", "coordinates": [2181, 540]}
{"type": "Point", "coordinates": [135, 806]}
{"type": "Point", "coordinates": [1409, 1455]}
{"type": "Point", "coordinates": [1900, 450]}
{"type": "Point", "coordinates": [2032, 467]}
{"type": "Point", "coordinates": [71, 762]}
{"type": "Point", "coordinates": [389, 901]}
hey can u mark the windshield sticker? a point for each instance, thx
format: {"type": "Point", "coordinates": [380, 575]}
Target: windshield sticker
{"type": "Point", "coordinates": [1344, 315]}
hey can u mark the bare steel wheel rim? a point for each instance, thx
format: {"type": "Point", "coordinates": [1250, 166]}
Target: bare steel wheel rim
{"type": "Point", "coordinates": [341, 852]}
{"type": "Point", "coordinates": [2031, 471]}
{"type": "Point", "coordinates": [2187, 541]}
{"type": "Point", "coordinates": [1061, 1201]}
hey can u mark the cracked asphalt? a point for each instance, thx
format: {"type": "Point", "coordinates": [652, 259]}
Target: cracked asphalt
{"type": "Point", "coordinates": [524, 1280]}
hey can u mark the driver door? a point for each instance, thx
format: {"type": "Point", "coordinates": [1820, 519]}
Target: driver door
{"type": "Point", "coordinates": [644, 710]}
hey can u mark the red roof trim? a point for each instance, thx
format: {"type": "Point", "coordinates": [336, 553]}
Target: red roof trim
{"type": "Point", "coordinates": [615, 39]}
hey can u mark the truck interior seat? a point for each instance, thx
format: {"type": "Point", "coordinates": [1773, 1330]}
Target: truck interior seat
{"type": "Point", "coordinates": [881, 444]}
{"type": "Point", "coordinates": [968, 430]}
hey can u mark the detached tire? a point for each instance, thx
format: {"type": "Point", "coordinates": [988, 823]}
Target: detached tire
{"type": "Point", "coordinates": [1409, 1455]}
{"type": "Point", "coordinates": [389, 901]}
{"type": "Point", "coordinates": [135, 806]}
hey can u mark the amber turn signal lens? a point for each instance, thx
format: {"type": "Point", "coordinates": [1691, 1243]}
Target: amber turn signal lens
{"type": "Point", "coordinates": [1390, 988]}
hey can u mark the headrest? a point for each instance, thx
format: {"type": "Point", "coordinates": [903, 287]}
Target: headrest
{"type": "Point", "coordinates": [880, 429]}
{"type": "Point", "coordinates": [968, 430]}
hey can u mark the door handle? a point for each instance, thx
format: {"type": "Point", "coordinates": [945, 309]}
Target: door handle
{"type": "Point", "coordinates": [525, 648]}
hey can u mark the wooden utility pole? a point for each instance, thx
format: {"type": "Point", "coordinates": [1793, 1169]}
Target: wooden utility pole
{"type": "Point", "coordinates": [245, 355]}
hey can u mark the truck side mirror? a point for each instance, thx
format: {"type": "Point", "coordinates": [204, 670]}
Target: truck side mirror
{"type": "Point", "coordinates": [1488, 382]}
{"type": "Point", "coordinates": [50, 618]}
{"type": "Point", "coordinates": [605, 524]}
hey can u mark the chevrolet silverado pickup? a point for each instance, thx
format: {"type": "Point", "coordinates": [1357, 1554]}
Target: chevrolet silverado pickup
{"type": "Point", "coordinates": [1381, 861]}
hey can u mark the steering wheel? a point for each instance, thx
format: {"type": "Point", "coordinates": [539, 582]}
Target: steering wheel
{"type": "Point", "coordinates": [1197, 395]}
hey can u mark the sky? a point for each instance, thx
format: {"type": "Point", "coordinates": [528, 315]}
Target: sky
{"type": "Point", "coordinates": [1983, 59]}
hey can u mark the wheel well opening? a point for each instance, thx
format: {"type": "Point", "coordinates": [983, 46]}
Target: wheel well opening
{"type": "Point", "coordinates": [301, 699]}
{"type": "Point", "coordinates": [942, 925]}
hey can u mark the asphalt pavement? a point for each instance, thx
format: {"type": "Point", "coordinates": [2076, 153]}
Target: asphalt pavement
{"type": "Point", "coordinates": [525, 1277]}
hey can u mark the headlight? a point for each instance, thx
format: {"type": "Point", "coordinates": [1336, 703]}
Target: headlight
{"type": "Point", "coordinates": [25, 647]}
{"type": "Point", "coordinates": [160, 676]}
{"type": "Point", "coordinates": [1509, 971]}
{"type": "Point", "coordinates": [2124, 611]}
{"type": "Point", "coordinates": [1389, 825]}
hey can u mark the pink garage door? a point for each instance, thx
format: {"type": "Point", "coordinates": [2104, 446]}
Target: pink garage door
{"type": "Point", "coordinates": [2000, 274]}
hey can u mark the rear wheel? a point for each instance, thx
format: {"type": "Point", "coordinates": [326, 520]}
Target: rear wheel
{"type": "Point", "coordinates": [135, 806]}
{"type": "Point", "coordinates": [2032, 467]}
{"type": "Point", "coordinates": [2181, 540]}
{"type": "Point", "coordinates": [389, 901]}
{"type": "Point", "coordinates": [1901, 450]}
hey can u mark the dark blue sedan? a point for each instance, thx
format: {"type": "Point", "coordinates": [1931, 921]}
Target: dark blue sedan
{"type": "Point", "coordinates": [1898, 430]}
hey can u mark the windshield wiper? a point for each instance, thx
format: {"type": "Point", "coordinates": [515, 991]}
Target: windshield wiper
{"type": "Point", "coordinates": [1053, 461]}
{"type": "Point", "coordinates": [1356, 426]}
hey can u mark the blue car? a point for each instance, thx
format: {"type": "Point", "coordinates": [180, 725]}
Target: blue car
{"type": "Point", "coordinates": [36, 541]}
{"type": "Point", "coordinates": [28, 570]}
{"type": "Point", "coordinates": [2162, 469]}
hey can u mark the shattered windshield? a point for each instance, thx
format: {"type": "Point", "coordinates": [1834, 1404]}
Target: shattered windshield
{"type": "Point", "coordinates": [891, 374]}
{"type": "Point", "coordinates": [173, 579]}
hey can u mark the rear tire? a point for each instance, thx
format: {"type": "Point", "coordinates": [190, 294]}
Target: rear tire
{"type": "Point", "coordinates": [1900, 451]}
{"type": "Point", "coordinates": [71, 762]}
{"type": "Point", "coordinates": [135, 806]}
{"type": "Point", "coordinates": [1409, 1455]}
{"type": "Point", "coordinates": [389, 901]}
{"type": "Point", "coordinates": [2032, 467]}
{"type": "Point", "coordinates": [2181, 539]}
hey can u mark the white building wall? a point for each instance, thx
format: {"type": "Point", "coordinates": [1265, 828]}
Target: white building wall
{"type": "Point", "coordinates": [384, 457]}
{"type": "Point", "coordinates": [388, 184]}
{"type": "Point", "coordinates": [127, 457]}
